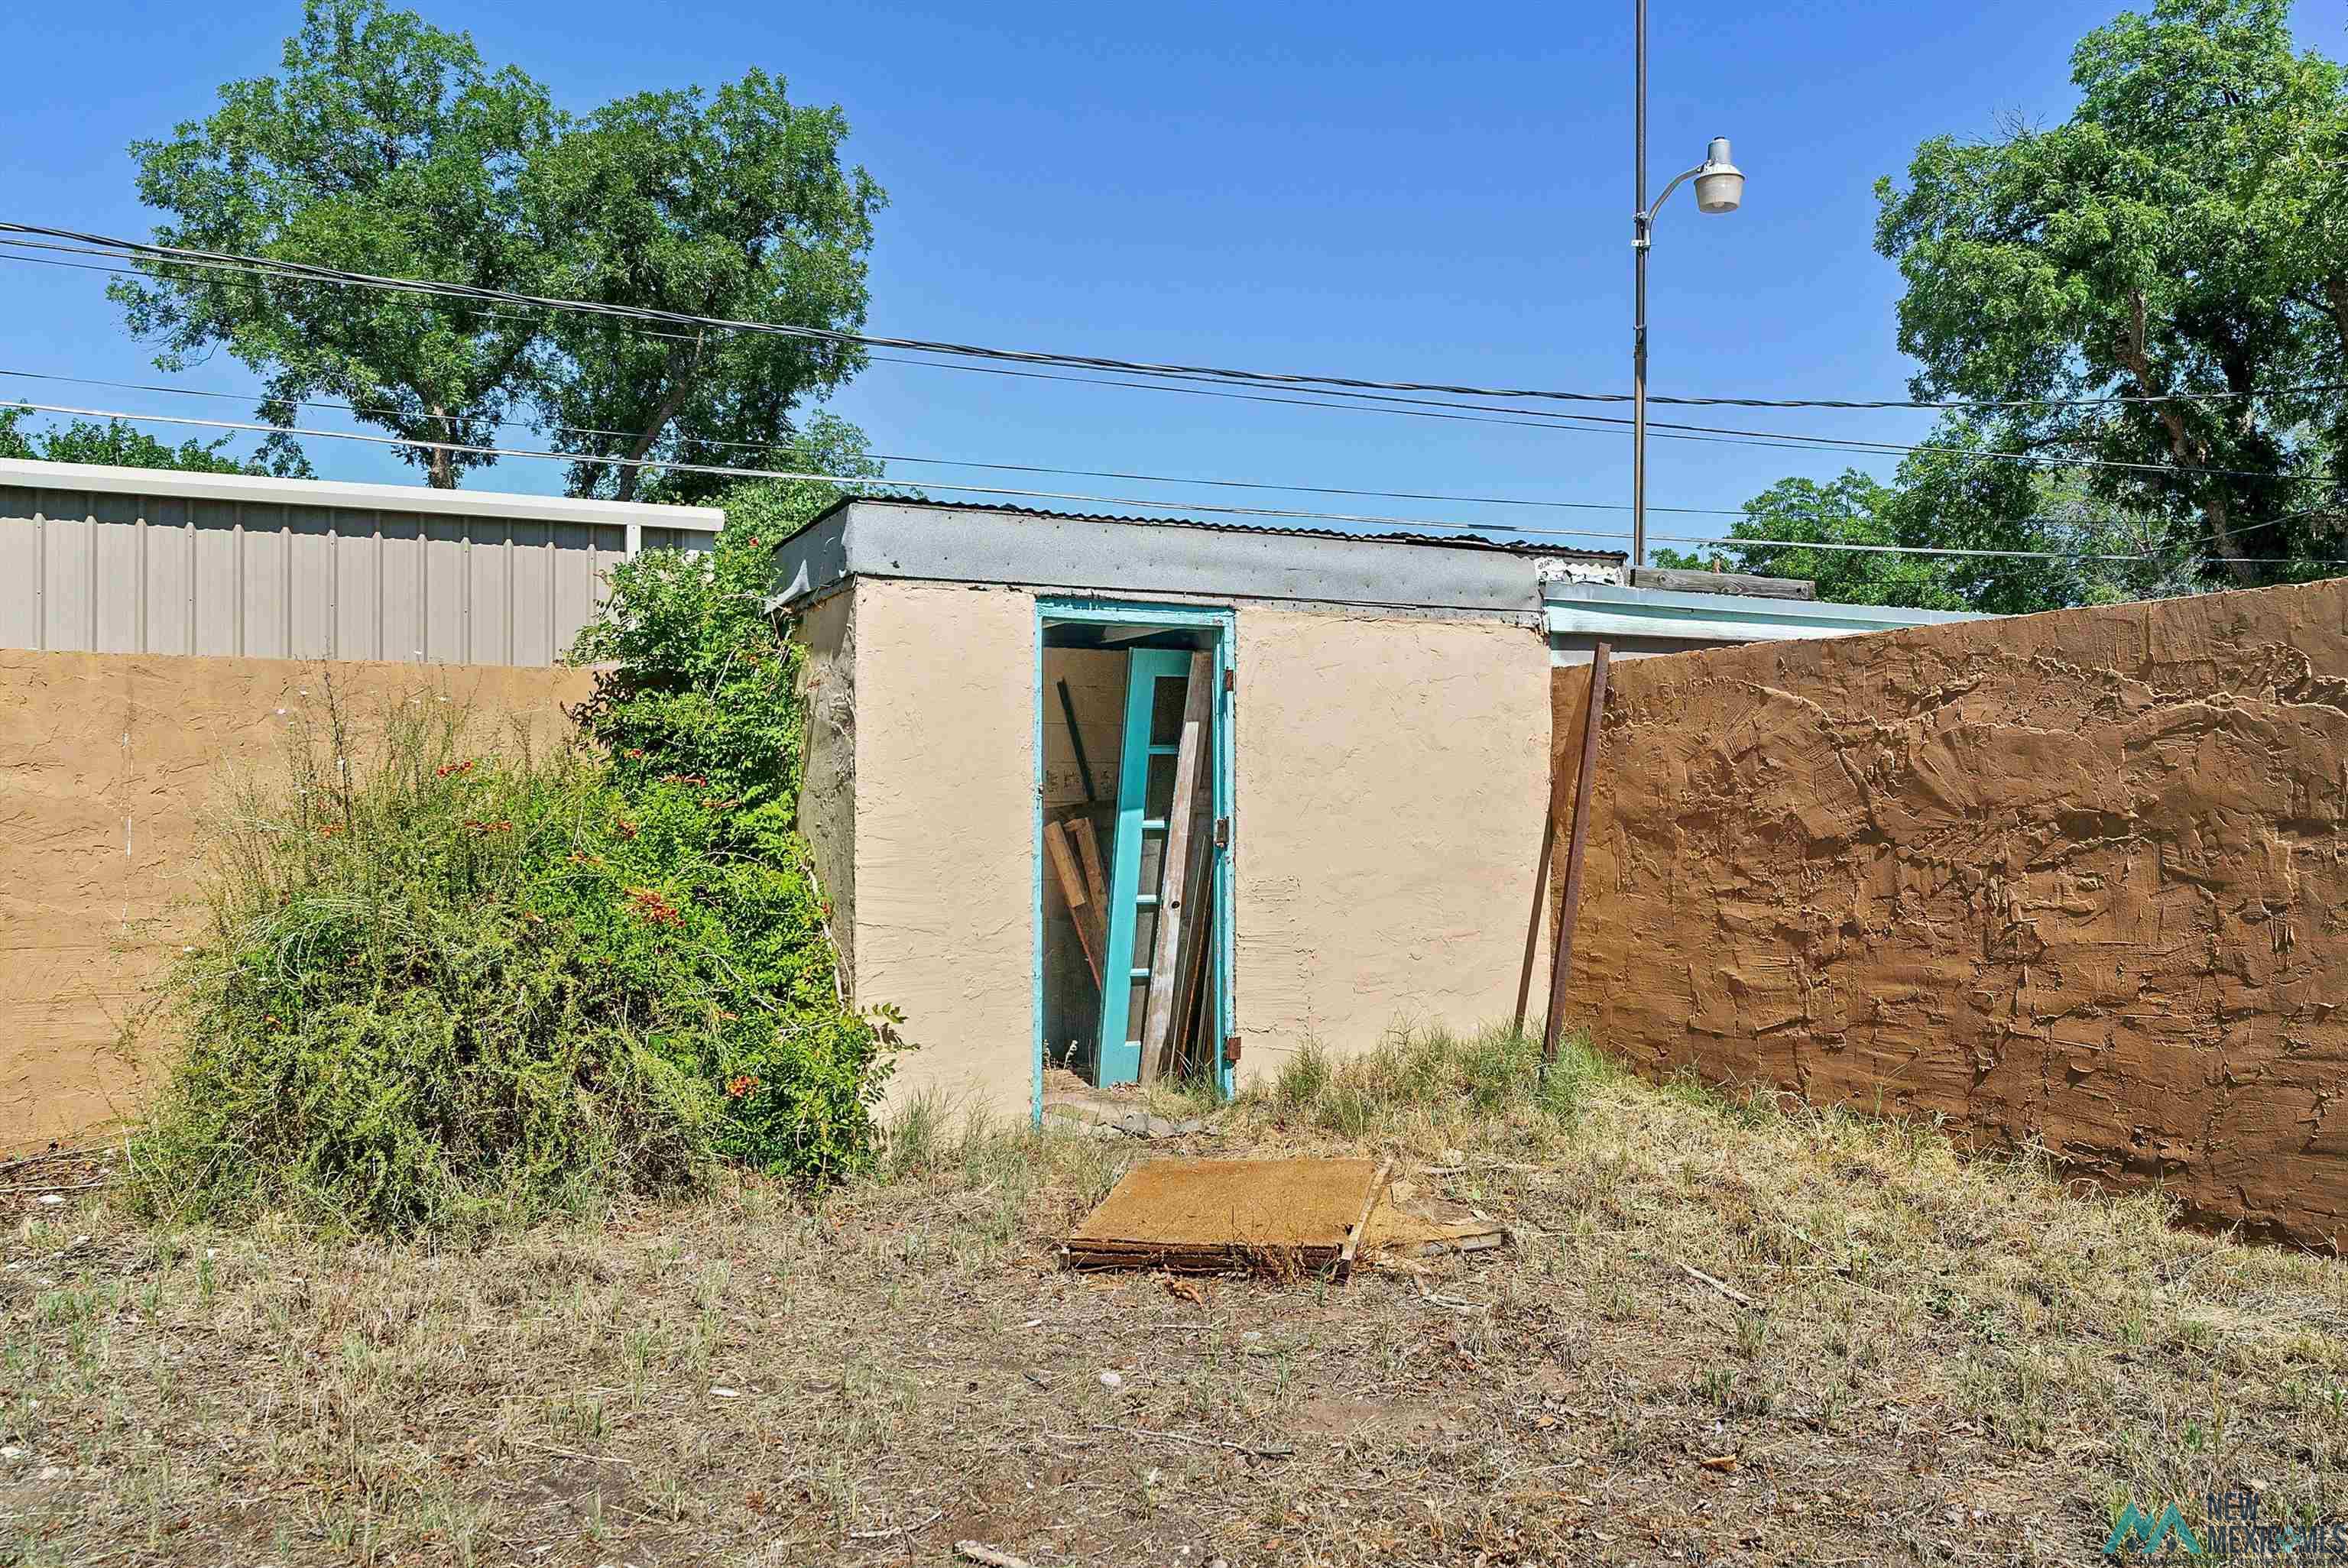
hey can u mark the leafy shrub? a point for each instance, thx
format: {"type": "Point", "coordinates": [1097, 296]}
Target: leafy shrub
{"type": "Point", "coordinates": [447, 983]}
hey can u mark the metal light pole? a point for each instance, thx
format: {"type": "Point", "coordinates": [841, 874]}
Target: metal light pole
{"type": "Point", "coordinates": [1719, 188]}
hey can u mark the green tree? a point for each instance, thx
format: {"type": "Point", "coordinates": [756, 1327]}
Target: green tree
{"type": "Point", "coordinates": [115, 442]}
{"type": "Point", "coordinates": [1854, 509]}
{"type": "Point", "coordinates": [1946, 498]}
{"type": "Point", "coordinates": [2180, 233]}
{"type": "Point", "coordinates": [735, 205]}
{"type": "Point", "coordinates": [385, 146]}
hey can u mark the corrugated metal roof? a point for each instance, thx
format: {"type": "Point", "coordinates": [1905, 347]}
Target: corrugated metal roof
{"type": "Point", "coordinates": [1520, 547]}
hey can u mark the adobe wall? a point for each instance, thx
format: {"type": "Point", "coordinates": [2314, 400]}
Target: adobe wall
{"type": "Point", "coordinates": [1391, 784]}
{"type": "Point", "coordinates": [2077, 877]}
{"type": "Point", "coordinates": [944, 842]}
{"type": "Point", "coordinates": [110, 768]}
{"type": "Point", "coordinates": [1391, 788]}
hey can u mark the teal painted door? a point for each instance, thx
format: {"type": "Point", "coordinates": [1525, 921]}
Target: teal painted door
{"type": "Point", "coordinates": [1154, 684]}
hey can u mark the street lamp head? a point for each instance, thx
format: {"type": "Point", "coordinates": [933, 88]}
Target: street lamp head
{"type": "Point", "coordinates": [1719, 184]}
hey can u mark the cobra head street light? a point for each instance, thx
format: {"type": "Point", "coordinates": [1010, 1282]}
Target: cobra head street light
{"type": "Point", "coordinates": [1719, 188]}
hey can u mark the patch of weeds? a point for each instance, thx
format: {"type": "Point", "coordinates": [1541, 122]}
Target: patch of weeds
{"type": "Point", "coordinates": [1430, 1079]}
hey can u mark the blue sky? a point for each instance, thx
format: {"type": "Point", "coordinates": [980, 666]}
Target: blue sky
{"type": "Point", "coordinates": [1376, 189]}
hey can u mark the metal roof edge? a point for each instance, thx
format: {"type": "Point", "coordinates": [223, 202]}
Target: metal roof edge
{"type": "Point", "coordinates": [1598, 610]}
{"type": "Point", "coordinates": [1729, 607]}
{"type": "Point", "coordinates": [1497, 541]}
{"type": "Point", "coordinates": [32, 474]}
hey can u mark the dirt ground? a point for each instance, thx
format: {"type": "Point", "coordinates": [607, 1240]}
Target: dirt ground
{"type": "Point", "coordinates": [1943, 1362]}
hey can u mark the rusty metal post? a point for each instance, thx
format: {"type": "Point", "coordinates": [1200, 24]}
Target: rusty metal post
{"type": "Point", "coordinates": [1576, 842]}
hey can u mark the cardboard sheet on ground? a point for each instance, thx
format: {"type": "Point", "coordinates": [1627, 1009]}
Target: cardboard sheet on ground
{"type": "Point", "coordinates": [1210, 1215]}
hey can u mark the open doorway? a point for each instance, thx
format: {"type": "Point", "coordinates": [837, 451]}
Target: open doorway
{"type": "Point", "coordinates": [1133, 835]}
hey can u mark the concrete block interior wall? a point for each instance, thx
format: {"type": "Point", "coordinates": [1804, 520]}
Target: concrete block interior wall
{"type": "Point", "coordinates": [2076, 879]}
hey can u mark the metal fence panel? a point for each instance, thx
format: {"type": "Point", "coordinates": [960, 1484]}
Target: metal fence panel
{"type": "Point", "coordinates": [116, 571]}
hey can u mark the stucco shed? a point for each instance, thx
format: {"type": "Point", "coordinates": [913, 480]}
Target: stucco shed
{"type": "Point", "coordinates": [1328, 752]}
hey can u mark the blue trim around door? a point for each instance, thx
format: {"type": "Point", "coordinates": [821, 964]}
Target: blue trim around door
{"type": "Point", "coordinates": [1224, 623]}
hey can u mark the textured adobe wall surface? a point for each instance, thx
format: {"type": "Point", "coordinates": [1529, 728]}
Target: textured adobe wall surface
{"type": "Point", "coordinates": [2077, 877]}
{"type": "Point", "coordinates": [110, 766]}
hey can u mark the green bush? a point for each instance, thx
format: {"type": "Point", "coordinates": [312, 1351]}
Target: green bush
{"type": "Point", "coordinates": [448, 982]}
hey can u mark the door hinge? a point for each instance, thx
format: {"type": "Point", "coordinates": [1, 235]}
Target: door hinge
{"type": "Point", "coordinates": [1230, 680]}
{"type": "Point", "coordinates": [1222, 833]}
{"type": "Point", "coordinates": [1230, 1050]}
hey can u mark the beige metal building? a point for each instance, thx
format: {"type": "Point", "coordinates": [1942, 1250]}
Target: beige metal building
{"type": "Point", "coordinates": [102, 559]}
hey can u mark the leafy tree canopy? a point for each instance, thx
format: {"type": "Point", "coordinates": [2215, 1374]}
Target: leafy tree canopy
{"type": "Point", "coordinates": [84, 441]}
{"type": "Point", "coordinates": [384, 144]}
{"type": "Point", "coordinates": [2185, 231]}
{"type": "Point", "coordinates": [735, 207]}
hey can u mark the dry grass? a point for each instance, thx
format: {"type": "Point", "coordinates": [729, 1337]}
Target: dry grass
{"type": "Point", "coordinates": [1951, 1362]}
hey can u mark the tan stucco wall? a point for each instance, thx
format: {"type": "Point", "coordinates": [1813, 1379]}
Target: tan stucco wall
{"type": "Point", "coordinates": [110, 765]}
{"type": "Point", "coordinates": [946, 902]}
{"type": "Point", "coordinates": [826, 802]}
{"type": "Point", "coordinates": [2078, 879]}
{"type": "Point", "coordinates": [1391, 787]}
{"type": "Point", "coordinates": [1392, 780]}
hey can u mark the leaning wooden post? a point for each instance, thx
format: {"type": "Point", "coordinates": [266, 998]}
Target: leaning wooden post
{"type": "Point", "coordinates": [1562, 965]}
{"type": "Point", "coordinates": [1541, 893]}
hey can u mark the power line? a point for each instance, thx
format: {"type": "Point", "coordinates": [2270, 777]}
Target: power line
{"type": "Point", "coordinates": [305, 271]}
{"type": "Point", "coordinates": [465, 449]}
{"type": "Point", "coordinates": [1377, 402]}
{"type": "Point", "coordinates": [364, 412]}
{"type": "Point", "coordinates": [862, 480]}
{"type": "Point", "coordinates": [1019, 467]}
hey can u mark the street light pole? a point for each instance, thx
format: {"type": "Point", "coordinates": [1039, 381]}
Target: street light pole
{"type": "Point", "coordinates": [1719, 188]}
{"type": "Point", "coordinates": [1638, 246]}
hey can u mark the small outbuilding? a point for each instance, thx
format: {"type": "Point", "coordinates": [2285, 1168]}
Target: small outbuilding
{"type": "Point", "coordinates": [1096, 799]}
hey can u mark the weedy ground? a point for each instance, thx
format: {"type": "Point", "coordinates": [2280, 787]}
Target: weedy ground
{"type": "Point", "coordinates": [1946, 1360]}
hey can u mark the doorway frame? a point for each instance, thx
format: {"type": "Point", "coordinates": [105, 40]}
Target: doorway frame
{"type": "Point", "coordinates": [1223, 621]}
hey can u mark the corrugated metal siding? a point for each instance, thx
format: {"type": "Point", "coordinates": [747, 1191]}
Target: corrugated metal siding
{"type": "Point", "coordinates": [104, 573]}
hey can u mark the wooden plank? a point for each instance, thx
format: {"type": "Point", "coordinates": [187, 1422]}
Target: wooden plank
{"type": "Point", "coordinates": [1675, 580]}
{"type": "Point", "coordinates": [1086, 834]}
{"type": "Point", "coordinates": [1194, 954]}
{"type": "Point", "coordinates": [1173, 904]}
{"type": "Point", "coordinates": [1540, 890]}
{"type": "Point", "coordinates": [1072, 888]}
{"type": "Point", "coordinates": [1575, 844]}
{"type": "Point", "coordinates": [1353, 1236]}
{"type": "Point", "coordinates": [1087, 837]}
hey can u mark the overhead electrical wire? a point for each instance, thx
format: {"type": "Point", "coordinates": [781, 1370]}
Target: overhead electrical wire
{"type": "Point", "coordinates": [1378, 402]}
{"type": "Point", "coordinates": [1002, 468]}
{"type": "Point", "coordinates": [364, 412]}
{"type": "Point", "coordinates": [866, 481]}
{"type": "Point", "coordinates": [305, 272]}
